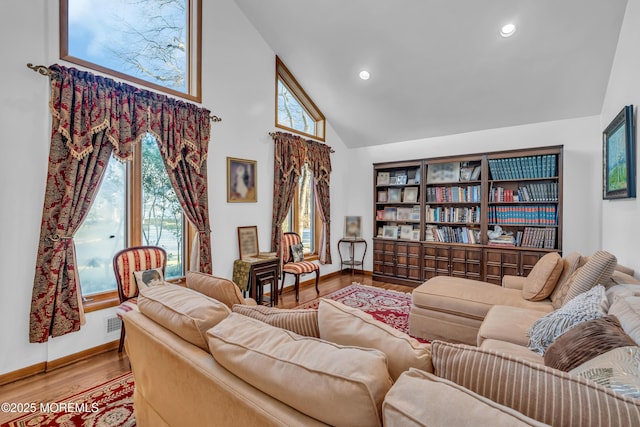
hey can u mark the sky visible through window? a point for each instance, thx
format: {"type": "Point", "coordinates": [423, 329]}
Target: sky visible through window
{"type": "Point", "coordinates": [146, 39]}
{"type": "Point", "coordinates": [291, 113]}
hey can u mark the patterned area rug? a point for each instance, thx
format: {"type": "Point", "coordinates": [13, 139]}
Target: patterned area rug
{"type": "Point", "coordinates": [106, 405]}
{"type": "Point", "coordinates": [390, 307]}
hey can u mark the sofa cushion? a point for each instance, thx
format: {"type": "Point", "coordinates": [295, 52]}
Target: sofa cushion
{"type": "Point", "coordinates": [543, 277]}
{"type": "Point", "coordinates": [301, 321]}
{"type": "Point", "coordinates": [586, 306]}
{"type": "Point", "coordinates": [617, 369]}
{"type": "Point", "coordinates": [598, 269]}
{"type": "Point", "coordinates": [510, 324]}
{"type": "Point", "coordinates": [422, 399]}
{"type": "Point", "coordinates": [183, 311]}
{"type": "Point", "coordinates": [344, 325]}
{"type": "Point", "coordinates": [571, 263]}
{"type": "Point", "coordinates": [627, 311]}
{"type": "Point", "coordinates": [215, 287]}
{"type": "Point", "coordinates": [561, 399]}
{"type": "Point", "coordinates": [586, 341]}
{"type": "Point", "coordinates": [511, 349]}
{"type": "Point", "coordinates": [468, 298]}
{"type": "Point", "coordinates": [335, 384]}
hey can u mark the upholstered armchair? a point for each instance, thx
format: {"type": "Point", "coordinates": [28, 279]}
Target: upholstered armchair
{"type": "Point", "coordinates": [290, 245]}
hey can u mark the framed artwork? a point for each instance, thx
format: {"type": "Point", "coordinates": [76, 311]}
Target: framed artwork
{"type": "Point", "coordinates": [383, 178]}
{"type": "Point", "coordinates": [410, 195]}
{"type": "Point", "coordinates": [248, 241]}
{"type": "Point", "coordinates": [242, 184]}
{"type": "Point", "coordinates": [406, 231]}
{"type": "Point", "coordinates": [443, 172]}
{"type": "Point", "coordinates": [382, 196]}
{"type": "Point", "coordinates": [390, 232]}
{"type": "Point", "coordinates": [619, 157]}
{"type": "Point", "coordinates": [394, 195]}
{"type": "Point", "coordinates": [352, 227]}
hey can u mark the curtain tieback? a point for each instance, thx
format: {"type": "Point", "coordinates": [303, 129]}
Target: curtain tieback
{"type": "Point", "coordinates": [56, 237]}
{"type": "Point", "coordinates": [204, 231]}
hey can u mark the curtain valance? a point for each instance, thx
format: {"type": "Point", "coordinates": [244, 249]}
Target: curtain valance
{"type": "Point", "coordinates": [84, 104]}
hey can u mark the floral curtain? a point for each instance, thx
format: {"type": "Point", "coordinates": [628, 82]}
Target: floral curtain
{"type": "Point", "coordinates": [93, 117]}
{"type": "Point", "coordinates": [319, 161]}
{"type": "Point", "coordinates": [289, 156]}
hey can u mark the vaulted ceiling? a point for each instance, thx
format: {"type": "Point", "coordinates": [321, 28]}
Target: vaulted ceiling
{"type": "Point", "coordinates": [440, 67]}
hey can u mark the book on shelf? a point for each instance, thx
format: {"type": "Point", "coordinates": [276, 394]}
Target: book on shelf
{"type": "Point", "coordinates": [526, 167]}
{"type": "Point", "coordinates": [469, 194]}
{"type": "Point", "coordinates": [448, 234]}
{"type": "Point", "coordinates": [453, 214]}
{"type": "Point", "coordinates": [523, 215]}
{"type": "Point", "coordinates": [504, 240]}
{"type": "Point", "coordinates": [539, 238]}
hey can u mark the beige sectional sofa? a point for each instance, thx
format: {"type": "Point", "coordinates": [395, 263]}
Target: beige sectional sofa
{"type": "Point", "coordinates": [197, 362]}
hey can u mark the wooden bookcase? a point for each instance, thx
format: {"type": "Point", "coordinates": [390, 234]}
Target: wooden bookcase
{"type": "Point", "coordinates": [435, 216]}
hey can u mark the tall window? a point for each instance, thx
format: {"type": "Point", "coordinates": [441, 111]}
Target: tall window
{"type": "Point", "coordinates": [295, 111]}
{"type": "Point", "coordinates": [152, 42]}
{"type": "Point", "coordinates": [302, 215]}
{"type": "Point", "coordinates": [118, 218]}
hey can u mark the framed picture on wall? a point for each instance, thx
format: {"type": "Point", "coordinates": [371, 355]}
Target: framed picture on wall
{"type": "Point", "coordinates": [242, 180]}
{"type": "Point", "coordinates": [619, 157]}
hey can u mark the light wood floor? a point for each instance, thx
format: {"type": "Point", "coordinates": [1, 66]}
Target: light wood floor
{"type": "Point", "coordinates": [72, 379]}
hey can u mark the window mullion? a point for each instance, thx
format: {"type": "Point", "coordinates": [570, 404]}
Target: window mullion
{"type": "Point", "coordinates": [134, 208]}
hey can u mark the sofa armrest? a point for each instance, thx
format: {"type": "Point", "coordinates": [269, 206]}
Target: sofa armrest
{"type": "Point", "coordinates": [513, 282]}
{"type": "Point", "coordinates": [250, 301]}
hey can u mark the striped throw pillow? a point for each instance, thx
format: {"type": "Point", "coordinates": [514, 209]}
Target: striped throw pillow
{"type": "Point", "coordinates": [544, 394]}
{"type": "Point", "coordinates": [598, 269]}
{"type": "Point", "coordinates": [301, 321]}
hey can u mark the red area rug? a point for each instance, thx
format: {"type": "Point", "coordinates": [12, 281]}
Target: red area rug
{"type": "Point", "coordinates": [390, 307]}
{"type": "Point", "coordinates": [106, 405]}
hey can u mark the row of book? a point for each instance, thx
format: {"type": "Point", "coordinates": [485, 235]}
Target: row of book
{"type": "Point", "coordinates": [452, 235]}
{"type": "Point", "coordinates": [449, 214]}
{"type": "Point", "coordinates": [537, 238]}
{"type": "Point", "coordinates": [523, 215]}
{"type": "Point", "coordinates": [524, 167]}
{"type": "Point", "coordinates": [535, 192]}
{"type": "Point", "coordinates": [471, 193]}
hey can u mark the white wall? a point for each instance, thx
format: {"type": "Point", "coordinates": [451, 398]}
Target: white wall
{"type": "Point", "coordinates": [620, 231]}
{"type": "Point", "coordinates": [581, 140]}
{"type": "Point", "coordinates": [238, 85]}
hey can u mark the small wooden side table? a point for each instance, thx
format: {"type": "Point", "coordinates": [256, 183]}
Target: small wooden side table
{"type": "Point", "coordinates": [252, 275]}
{"type": "Point", "coordinates": [351, 261]}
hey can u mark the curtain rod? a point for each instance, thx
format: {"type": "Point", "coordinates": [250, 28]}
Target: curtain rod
{"type": "Point", "coordinates": [272, 134]}
{"type": "Point", "coordinates": [41, 69]}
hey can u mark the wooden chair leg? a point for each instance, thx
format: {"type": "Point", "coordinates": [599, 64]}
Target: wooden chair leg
{"type": "Point", "coordinates": [297, 287]}
{"type": "Point", "coordinates": [317, 277]}
{"type": "Point", "coordinates": [121, 345]}
{"type": "Point", "coordinates": [282, 287]}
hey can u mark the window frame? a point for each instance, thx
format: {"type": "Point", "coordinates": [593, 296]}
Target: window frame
{"type": "Point", "coordinates": [133, 217]}
{"type": "Point", "coordinates": [194, 55]}
{"type": "Point", "coordinates": [283, 74]}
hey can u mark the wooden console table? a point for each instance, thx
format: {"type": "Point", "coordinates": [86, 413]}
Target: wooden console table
{"type": "Point", "coordinates": [351, 261]}
{"type": "Point", "coordinates": [253, 274]}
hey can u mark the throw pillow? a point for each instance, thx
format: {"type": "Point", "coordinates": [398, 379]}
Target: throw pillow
{"type": "Point", "coordinates": [422, 399]}
{"type": "Point", "coordinates": [571, 263]}
{"type": "Point", "coordinates": [335, 384]}
{"type": "Point", "coordinates": [598, 269]}
{"type": "Point", "coordinates": [543, 277]}
{"type": "Point", "coordinates": [618, 369]}
{"type": "Point", "coordinates": [302, 322]}
{"type": "Point", "coordinates": [217, 288]}
{"type": "Point", "coordinates": [345, 325]}
{"type": "Point", "coordinates": [586, 341]}
{"type": "Point", "coordinates": [586, 306]}
{"type": "Point", "coordinates": [297, 253]}
{"type": "Point", "coordinates": [627, 310]}
{"type": "Point", "coordinates": [537, 391]}
{"type": "Point", "coordinates": [151, 277]}
{"type": "Point", "coordinates": [184, 312]}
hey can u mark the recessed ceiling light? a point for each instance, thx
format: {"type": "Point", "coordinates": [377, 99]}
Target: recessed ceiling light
{"type": "Point", "coordinates": [507, 30]}
{"type": "Point", "coordinates": [364, 75]}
